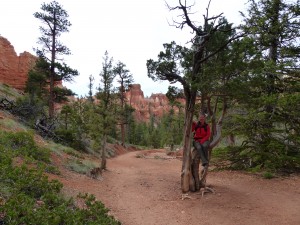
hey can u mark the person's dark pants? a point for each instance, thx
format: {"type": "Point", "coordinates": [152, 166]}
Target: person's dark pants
{"type": "Point", "coordinates": [202, 150]}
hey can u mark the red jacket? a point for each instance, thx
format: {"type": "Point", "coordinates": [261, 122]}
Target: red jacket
{"type": "Point", "coordinates": [201, 132]}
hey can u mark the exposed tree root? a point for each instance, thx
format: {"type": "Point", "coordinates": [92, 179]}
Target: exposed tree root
{"type": "Point", "coordinates": [207, 190]}
{"type": "Point", "coordinates": [185, 196]}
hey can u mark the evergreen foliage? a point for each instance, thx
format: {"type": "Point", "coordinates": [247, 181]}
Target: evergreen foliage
{"type": "Point", "coordinates": [55, 20]}
{"type": "Point", "coordinates": [265, 113]}
{"type": "Point", "coordinates": [103, 114]}
{"type": "Point", "coordinates": [72, 127]}
{"type": "Point", "coordinates": [28, 197]}
{"type": "Point", "coordinates": [36, 84]}
{"type": "Point", "coordinates": [90, 86]}
{"type": "Point", "coordinates": [125, 79]}
{"type": "Point", "coordinates": [163, 132]}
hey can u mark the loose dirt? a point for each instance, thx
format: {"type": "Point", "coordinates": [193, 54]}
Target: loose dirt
{"type": "Point", "coordinates": [143, 188]}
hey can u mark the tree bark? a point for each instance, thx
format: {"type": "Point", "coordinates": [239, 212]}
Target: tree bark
{"type": "Point", "coordinates": [122, 117]}
{"type": "Point", "coordinates": [186, 177]}
{"type": "Point", "coordinates": [195, 184]}
{"type": "Point", "coordinates": [103, 153]}
{"type": "Point", "coordinates": [52, 74]}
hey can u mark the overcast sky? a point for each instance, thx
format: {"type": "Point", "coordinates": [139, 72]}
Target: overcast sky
{"type": "Point", "coordinates": [132, 31]}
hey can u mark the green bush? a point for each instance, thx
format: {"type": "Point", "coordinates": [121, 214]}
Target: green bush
{"type": "Point", "coordinates": [28, 197]}
{"type": "Point", "coordinates": [69, 138]}
{"type": "Point", "coordinates": [22, 144]}
{"type": "Point", "coordinates": [268, 175]}
{"type": "Point", "coordinates": [29, 109]}
{"type": "Point", "coordinates": [266, 158]}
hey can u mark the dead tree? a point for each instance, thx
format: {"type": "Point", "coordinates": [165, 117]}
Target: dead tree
{"type": "Point", "coordinates": [7, 104]}
{"type": "Point", "coordinates": [43, 125]}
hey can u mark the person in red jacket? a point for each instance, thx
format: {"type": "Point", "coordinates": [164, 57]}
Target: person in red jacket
{"type": "Point", "coordinates": [201, 142]}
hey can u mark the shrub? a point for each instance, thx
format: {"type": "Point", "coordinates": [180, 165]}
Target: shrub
{"type": "Point", "coordinates": [268, 175]}
{"type": "Point", "coordinates": [22, 144]}
{"type": "Point", "coordinates": [28, 197]}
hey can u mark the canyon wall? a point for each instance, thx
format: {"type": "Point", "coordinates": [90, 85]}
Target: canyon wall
{"type": "Point", "coordinates": [155, 105]}
{"type": "Point", "coordinates": [14, 68]}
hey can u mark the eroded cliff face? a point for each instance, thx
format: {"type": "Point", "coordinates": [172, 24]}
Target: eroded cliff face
{"type": "Point", "coordinates": [13, 68]}
{"type": "Point", "coordinates": [156, 105]}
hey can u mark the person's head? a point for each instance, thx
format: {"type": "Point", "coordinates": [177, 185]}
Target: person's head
{"type": "Point", "coordinates": [202, 118]}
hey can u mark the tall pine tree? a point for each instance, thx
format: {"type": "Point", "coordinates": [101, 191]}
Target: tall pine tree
{"type": "Point", "coordinates": [268, 117]}
{"type": "Point", "coordinates": [55, 23]}
{"type": "Point", "coordinates": [125, 79]}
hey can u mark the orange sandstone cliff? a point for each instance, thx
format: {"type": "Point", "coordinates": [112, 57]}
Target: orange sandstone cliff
{"type": "Point", "coordinates": [156, 105]}
{"type": "Point", "coordinates": [14, 68]}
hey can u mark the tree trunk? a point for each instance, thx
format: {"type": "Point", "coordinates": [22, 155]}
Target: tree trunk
{"type": "Point", "coordinates": [51, 98]}
{"type": "Point", "coordinates": [231, 140]}
{"type": "Point", "coordinates": [195, 184]}
{"type": "Point", "coordinates": [52, 75]}
{"type": "Point", "coordinates": [123, 117]}
{"type": "Point", "coordinates": [186, 177]}
{"type": "Point", "coordinates": [103, 153]}
{"type": "Point", "coordinates": [123, 133]}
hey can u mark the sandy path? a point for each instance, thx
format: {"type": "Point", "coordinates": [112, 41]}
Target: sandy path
{"type": "Point", "coordinates": [146, 191]}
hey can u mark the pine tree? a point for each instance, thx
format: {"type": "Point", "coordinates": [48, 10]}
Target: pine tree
{"type": "Point", "coordinates": [90, 86]}
{"type": "Point", "coordinates": [55, 20]}
{"type": "Point", "coordinates": [36, 83]}
{"type": "Point", "coordinates": [125, 79]}
{"type": "Point", "coordinates": [105, 119]}
{"type": "Point", "coordinates": [268, 123]}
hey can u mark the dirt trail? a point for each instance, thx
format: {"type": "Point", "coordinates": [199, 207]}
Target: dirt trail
{"type": "Point", "coordinates": [146, 191]}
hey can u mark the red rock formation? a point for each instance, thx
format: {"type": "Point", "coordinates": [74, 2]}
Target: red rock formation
{"type": "Point", "coordinates": [14, 68]}
{"type": "Point", "coordinates": [156, 105]}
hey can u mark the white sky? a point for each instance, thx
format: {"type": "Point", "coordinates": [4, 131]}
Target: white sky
{"type": "Point", "coordinates": [132, 31]}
